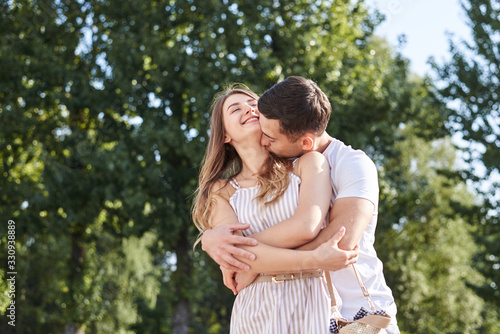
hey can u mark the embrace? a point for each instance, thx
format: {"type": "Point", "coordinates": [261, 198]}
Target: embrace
{"type": "Point", "coordinates": [280, 202]}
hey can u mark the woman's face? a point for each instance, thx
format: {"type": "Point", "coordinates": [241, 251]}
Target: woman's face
{"type": "Point", "coordinates": [241, 118]}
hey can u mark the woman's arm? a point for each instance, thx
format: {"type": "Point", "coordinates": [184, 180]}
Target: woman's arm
{"type": "Point", "coordinates": [314, 201]}
{"type": "Point", "coordinates": [328, 256]}
{"type": "Point", "coordinates": [269, 259]}
{"type": "Point", "coordinates": [222, 240]}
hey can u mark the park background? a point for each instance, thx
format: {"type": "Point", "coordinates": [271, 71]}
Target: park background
{"type": "Point", "coordinates": [104, 110]}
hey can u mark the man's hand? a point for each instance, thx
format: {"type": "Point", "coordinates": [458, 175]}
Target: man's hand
{"type": "Point", "coordinates": [220, 243]}
{"type": "Point", "coordinates": [330, 257]}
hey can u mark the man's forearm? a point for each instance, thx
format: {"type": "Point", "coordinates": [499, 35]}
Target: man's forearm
{"type": "Point", "coordinates": [352, 213]}
{"type": "Point", "coordinates": [349, 242]}
{"type": "Point", "coordinates": [324, 235]}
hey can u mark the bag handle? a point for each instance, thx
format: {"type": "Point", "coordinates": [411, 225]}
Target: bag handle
{"type": "Point", "coordinates": [361, 285]}
{"type": "Point", "coordinates": [363, 288]}
{"type": "Point", "coordinates": [375, 320]}
{"type": "Point", "coordinates": [330, 288]}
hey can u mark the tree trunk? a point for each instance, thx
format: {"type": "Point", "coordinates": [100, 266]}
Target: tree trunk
{"type": "Point", "coordinates": [75, 279]}
{"type": "Point", "coordinates": [181, 317]}
{"type": "Point", "coordinates": [182, 279]}
{"type": "Point", "coordinates": [71, 328]}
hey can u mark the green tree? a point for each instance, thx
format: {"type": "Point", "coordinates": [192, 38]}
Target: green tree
{"type": "Point", "coordinates": [177, 56]}
{"type": "Point", "coordinates": [104, 117]}
{"type": "Point", "coordinates": [428, 254]}
{"type": "Point", "coordinates": [67, 168]}
{"type": "Point", "coordinates": [470, 81]}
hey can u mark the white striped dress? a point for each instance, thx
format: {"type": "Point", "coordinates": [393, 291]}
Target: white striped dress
{"type": "Point", "coordinates": [295, 306]}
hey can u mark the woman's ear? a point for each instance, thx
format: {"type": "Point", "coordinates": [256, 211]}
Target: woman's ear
{"type": "Point", "coordinates": [226, 139]}
{"type": "Point", "coordinates": [307, 142]}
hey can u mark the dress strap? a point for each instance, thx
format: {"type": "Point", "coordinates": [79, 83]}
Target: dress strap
{"type": "Point", "coordinates": [294, 162]}
{"type": "Point", "coordinates": [234, 183]}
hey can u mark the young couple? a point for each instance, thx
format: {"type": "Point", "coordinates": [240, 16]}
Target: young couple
{"type": "Point", "coordinates": [304, 215]}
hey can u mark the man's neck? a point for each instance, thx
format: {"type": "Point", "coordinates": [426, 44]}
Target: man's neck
{"type": "Point", "coordinates": [322, 142]}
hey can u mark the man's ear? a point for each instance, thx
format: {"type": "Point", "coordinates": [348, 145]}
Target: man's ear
{"type": "Point", "coordinates": [307, 142]}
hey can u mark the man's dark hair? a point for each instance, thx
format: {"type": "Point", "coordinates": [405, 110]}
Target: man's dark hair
{"type": "Point", "coordinates": [300, 106]}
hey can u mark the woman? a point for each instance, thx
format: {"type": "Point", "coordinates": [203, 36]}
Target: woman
{"type": "Point", "coordinates": [263, 190]}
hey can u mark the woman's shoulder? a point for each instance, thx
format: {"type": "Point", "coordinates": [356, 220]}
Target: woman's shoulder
{"type": "Point", "coordinates": [222, 188]}
{"type": "Point", "coordinates": [310, 159]}
{"type": "Point", "coordinates": [315, 155]}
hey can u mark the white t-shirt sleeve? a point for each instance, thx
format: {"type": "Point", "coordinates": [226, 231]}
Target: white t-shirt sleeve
{"type": "Point", "coordinates": [356, 176]}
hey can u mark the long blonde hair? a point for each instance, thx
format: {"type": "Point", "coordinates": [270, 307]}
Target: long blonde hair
{"type": "Point", "coordinates": [222, 162]}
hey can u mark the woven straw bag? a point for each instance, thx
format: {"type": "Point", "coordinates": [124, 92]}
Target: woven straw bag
{"type": "Point", "coordinates": [364, 322]}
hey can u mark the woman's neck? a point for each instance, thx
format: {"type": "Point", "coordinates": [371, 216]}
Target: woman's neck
{"type": "Point", "coordinates": [253, 158]}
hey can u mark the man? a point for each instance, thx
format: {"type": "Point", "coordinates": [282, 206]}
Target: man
{"type": "Point", "coordinates": [294, 116]}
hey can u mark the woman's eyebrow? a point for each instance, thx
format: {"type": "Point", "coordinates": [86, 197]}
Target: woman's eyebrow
{"type": "Point", "coordinates": [236, 103]}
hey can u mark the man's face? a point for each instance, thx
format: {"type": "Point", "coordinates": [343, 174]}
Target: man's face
{"type": "Point", "coordinates": [275, 141]}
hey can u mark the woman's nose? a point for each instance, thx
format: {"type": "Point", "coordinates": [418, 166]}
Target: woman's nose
{"type": "Point", "coordinates": [252, 108]}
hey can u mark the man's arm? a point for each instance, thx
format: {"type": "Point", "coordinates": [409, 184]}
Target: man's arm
{"type": "Point", "coordinates": [273, 259]}
{"type": "Point", "coordinates": [220, 244]}
{"type": "Point", "coordinates": [220, 241]}
{"type": "Point", "coordinates": [352, 212]}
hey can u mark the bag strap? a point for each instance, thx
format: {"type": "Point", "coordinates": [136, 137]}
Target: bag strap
{"type": "Point", "coordinates": [363, 288]}
{"type": "Point", "coordinates": [361, 284]}
{"type": "Point", "coordinates": [330, 288]}
{"type": "Point", "coordinates": [375, 320]}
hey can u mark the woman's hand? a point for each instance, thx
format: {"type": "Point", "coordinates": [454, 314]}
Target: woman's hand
{"type": "Point", "coordinates": [244, 279]}
{"type": "Point", "coordinates": [229, 279]}
{"type": "Point", "coordinates": [328, 256]}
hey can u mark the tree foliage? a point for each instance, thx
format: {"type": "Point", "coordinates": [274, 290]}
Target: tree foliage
{"type": "Point", "coordinates": [428, 252]}
{"type": "Point", "coordinates": [104, 117]}
{"type": "Point", "coordinates": [470, 82]}
{"type": "Point", "coordinates": [471, 77]}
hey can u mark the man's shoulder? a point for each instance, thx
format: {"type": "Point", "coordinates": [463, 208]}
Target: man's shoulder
{"type": "Point", "coordinates": [338, 152]}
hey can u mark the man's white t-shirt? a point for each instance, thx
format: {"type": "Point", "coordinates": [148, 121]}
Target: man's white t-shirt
{"type": "Point", "coordinates": [353, 174]}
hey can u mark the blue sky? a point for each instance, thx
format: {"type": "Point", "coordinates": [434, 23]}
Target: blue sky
{"type": "Point", "coordinates": [425, 24]}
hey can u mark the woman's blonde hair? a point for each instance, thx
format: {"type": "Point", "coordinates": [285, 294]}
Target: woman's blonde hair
{"type": "Point", "coordinates": [222, 162]}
